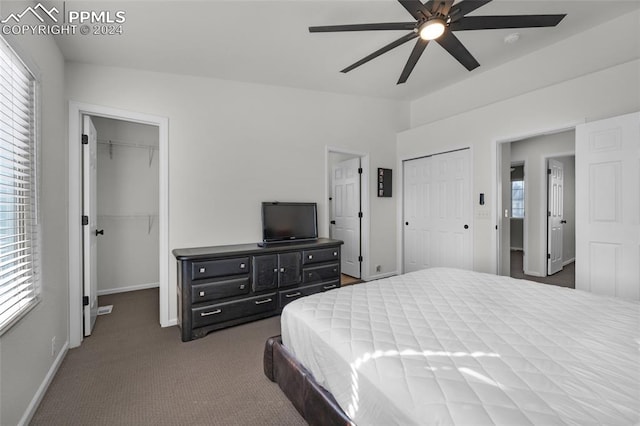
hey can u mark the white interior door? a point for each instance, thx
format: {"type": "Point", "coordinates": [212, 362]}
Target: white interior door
{"type": "Point", "coordinates": [345, 225]}
{"type": "Point", "coordinates": [90, 234]}
{"type": "Point", "coordinates": [555, 216]}
{"type": "Point", "coordinates": [608, 206]}
{"type": "Point", "coordinates": [437, 211]}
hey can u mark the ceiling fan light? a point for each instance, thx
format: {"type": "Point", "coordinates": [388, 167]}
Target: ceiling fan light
{"type": "Point", "coordinates": [432, 29]}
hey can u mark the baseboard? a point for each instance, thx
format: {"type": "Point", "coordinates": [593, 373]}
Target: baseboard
{"type": "Point", "coordinates": [566, 262]}
{"type": "Point", "coordinates": [172, 322]}
{"type": "Point", "coordinates": [129, 288]}
{"type": "Point", "coordinates": [37, 398]}
{"type": "Point", "coordinates": [380, 276]}
{"type": "Point", "coordinates": [517, 249]}
{"type": "Point", "coordinates": [534, 274]}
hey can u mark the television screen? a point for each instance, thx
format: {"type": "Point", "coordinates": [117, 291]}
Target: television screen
{"type": "Point", "coordinates": [289, 221]}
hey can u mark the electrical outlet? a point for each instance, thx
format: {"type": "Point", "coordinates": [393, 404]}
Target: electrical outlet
{"type": "Point", "coordinates": [378, 268]}
{"type": "Point", "coordinates": [53, 346]}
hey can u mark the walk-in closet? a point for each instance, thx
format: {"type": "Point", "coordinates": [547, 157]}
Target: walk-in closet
{"type": "Point", "coordinates": [127, 206]}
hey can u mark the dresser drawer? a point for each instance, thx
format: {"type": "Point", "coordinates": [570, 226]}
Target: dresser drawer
{"type": "Point", "coordinates": [219, 268]}
{"type": "Point", "coordinates": [320, 255]}
{"type": "Point", "coordinates": [317, 274]}
{"type": "Point", "coordinates": [219, 290]}
{"type": "Point", "coordinates": [288, 296]}
{"type": "Point", "coordinates": [226, 311]}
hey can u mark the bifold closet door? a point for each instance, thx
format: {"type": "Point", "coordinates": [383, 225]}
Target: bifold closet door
{"type": "Point", "coordinates": [437, 211]}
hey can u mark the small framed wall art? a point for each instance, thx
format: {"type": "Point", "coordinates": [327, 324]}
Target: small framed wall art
{"type": "Point", "coordinates": [384, 182]}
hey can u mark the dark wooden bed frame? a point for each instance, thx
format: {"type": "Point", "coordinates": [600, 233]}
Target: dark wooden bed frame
{"type": "Point", "coordinates": [313, 402]}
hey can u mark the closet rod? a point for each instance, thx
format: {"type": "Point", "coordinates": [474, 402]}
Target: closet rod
{"type": "Point", "coordinates": [127, 144]}
{"type": "Point", "coordinates": [111, 143]}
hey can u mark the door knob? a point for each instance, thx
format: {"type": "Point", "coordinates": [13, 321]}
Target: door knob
{"type": "Point", "coordinates": [333, 222]}
{"type": "Point", "coordinates": [466, 227]}
{"type": "Point", "coordinates": [563, 221]}
{"type": "Point", "coordinates": [100, 232]}
{"type": "Point", "coordinates": [406, 223]}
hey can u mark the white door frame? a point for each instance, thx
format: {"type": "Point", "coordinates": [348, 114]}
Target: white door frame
{"type": "Point", "coordinates": [365, 224]}
{"type": "Point", "coordinates": [496, 173]}
{"type": "Point", "coordinates": [76, 110]}
{"type": "Point", "coordinates": [399, 187]}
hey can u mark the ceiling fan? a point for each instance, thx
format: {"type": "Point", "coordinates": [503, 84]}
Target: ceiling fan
{"type": "Point", "coordinates": [437, 20]}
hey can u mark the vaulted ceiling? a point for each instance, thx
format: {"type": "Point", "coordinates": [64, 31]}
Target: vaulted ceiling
{"type": "Point", "coordinates": [268, 42]}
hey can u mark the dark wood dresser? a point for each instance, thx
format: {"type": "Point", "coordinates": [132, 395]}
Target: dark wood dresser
{"type": "Point", "coordinates": [223, 286]}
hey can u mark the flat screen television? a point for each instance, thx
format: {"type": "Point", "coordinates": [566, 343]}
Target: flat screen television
{"type": "Point", "coordinates": [283, 222]}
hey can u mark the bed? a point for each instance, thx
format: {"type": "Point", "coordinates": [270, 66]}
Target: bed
{"type": "Point", "coordinates": [446, 346]}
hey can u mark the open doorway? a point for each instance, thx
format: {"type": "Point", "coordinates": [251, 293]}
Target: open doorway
{"type": "Point", "coordinates": [538, 222]}
{"type": "Point", "coordinates": [153, 218]}
{"type": "Point", "coordinates": [347, 174]}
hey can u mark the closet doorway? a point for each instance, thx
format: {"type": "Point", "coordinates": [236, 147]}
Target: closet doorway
{"type": "Point", "coordinates": [128, 201]}
{"type": "Point", "coordinates": [141, 209]}
{"type": "Point", "coordinates": [437, 211]}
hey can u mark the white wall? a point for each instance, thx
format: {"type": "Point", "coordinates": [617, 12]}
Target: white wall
{"type": "Point", "coordinates": [128, 197]}
{"type": "Point", "coordinates": [233, 145]}
{"type": "Point", "coordinates": [26, 362]}
{"type": "Point", "coordinates": [534, 152]}
{"type": "Point", "coordinates": [611, 91]}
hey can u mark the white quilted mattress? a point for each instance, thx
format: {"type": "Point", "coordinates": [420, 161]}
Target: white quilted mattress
{"type": "Point", "coordinates": [445, 346]}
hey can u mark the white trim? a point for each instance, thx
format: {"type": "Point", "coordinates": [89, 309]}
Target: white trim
{"type": "Point", "coordinates": [364, 199]}
{"type": "Point", "coordinates": [534, 274]}
{"type": "Point", "coordinates": [384, 275]}
{"type": "Point", "coordinates": [76, 110]}
{"type": "Point", "coordinates": [566, 262]}
{"type": "Point", "coordinates": [496, 182]}
{"type": "Point", "coordinates": [127, 288]}
{"type": "Point", "coordinates": [42, 389]}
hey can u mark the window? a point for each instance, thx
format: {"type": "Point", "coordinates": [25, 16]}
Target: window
{"type": "Point", "coordinates": [19, 233]}
{"type": "Point", "coordinates": [517, 199]}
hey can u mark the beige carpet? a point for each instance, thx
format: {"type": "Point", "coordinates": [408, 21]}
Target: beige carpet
{"type": "Point", "coordinates": [132, 372]}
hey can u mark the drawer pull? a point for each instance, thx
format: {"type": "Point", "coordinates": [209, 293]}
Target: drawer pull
{"type": "Point", "coordinates": [242, 265]}
{"type": "Point", "coordinates": [202, 294]}
{"type": "Point", "coordinates": [206, 314]}
{"type": "Point", "coordinates": [275, 270]}
{"type": "Point", "coordinates": [310, 256]}
{"type": "Point", "coordinates": [242, 286]}
{"type": "Point", "coordinates": [281, 269]}
{"type": "Point", "coordinates": [296, 294]}
{"type": "Point", "coordinates": [335, 253]}
{"type": "Point", "coordinates": [329, 287]}
{"type": "Point", "coordinates": [203, 270]}
{"type": "Point", "coordinates": [260, 302]}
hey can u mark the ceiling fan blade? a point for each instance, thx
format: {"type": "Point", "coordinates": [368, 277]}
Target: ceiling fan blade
{"type": "Point", "coordinates": [441, 7]}
{"type": "Point", "coordinates": [364, 27]}
{"type": "Point", "coordinates": [416, 8]}
{"type": "Point", "coordinates": [510, 21]}
{"type": "Point", "coordinates": [466, 6]}
{"type": "Point", "coordinates": [380, 51]}
{"type": "Point", "coordinates": [413, 59]}
{"type": "Point", "coordinates": [456, 49]}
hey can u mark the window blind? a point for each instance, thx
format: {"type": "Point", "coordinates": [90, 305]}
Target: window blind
{"type": "Point", "coordinates": [19, 235]}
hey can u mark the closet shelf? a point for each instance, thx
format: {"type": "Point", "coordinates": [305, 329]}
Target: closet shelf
{"type": "Point", "coordinates": [111, 143]}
